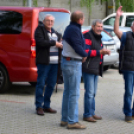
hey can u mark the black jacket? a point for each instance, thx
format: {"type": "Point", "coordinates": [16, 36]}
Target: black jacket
{"type": "Point", "coordinates": [126, 55]}
{"type": "Point", "coordinates": [92, 64]}
{"type": "Point", "coordinates": [43, 45]}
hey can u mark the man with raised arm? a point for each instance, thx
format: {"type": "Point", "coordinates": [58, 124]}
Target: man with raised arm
{"type": "Point", "coordinates": [126, 64]}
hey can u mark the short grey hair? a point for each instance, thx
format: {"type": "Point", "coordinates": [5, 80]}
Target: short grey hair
{"type": "Point", "coordinates": [49, 15]}
{"type": "Point", "coordinates": [95, 21]}
{"type": "Point", "coordinates": [132, 23]}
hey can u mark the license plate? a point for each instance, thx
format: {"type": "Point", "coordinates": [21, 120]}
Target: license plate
{"type": "Point", "coordinates": [110, 47]}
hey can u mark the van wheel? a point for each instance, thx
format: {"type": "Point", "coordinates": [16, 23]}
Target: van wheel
{"type": "Point", "coordinates": [4, 80]}
{"type": "Point", "coordinates": [33, 83]}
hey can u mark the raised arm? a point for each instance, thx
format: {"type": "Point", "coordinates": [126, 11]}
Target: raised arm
{"type": "Point", "coordinates": [116, 23]}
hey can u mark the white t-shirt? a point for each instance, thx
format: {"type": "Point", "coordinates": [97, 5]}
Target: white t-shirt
{"type": "Point", "coordinates": [53, 49]}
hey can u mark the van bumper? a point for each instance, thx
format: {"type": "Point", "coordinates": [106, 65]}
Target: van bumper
{"type": "Point", "coordinates": [23, 74]}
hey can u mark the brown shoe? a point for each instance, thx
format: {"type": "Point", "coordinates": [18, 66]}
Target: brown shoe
{"type": "Point", "coordinates": [63, 124]}
{"type": "Point", "coordinates": [128, 119]}
{"type": "Point", "coordinates": [97, 117]}
{"type": "Point", "coordinates": [50, 110]}
{"type": "Point", "coordinates": [40, 111]}
{"type": "Point", "coordinates": [133, 117]}
{"type": "Point", "coordinates": [76, 126]}
{"type": "Point", "coordinates": [89, 119]}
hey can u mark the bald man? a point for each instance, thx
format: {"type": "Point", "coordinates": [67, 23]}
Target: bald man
{"type": "Point", "coordinates": [72, 56]}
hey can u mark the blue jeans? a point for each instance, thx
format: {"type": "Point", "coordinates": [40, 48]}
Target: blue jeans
{"type": "Point", "coordinates": [129, 83]}
{"type": "Point", "coordinates": [49, 73]}
{"type": "Point", "coordinates": [90, 85]}
{"type": "Point", "coordinates": [72, 77]}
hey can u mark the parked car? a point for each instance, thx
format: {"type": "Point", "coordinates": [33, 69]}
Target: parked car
{"type": "Point", "coordinates": [17, 43]}
{"type": "Point", "coordinates": [108, 43]}
{"type": "Point", "coordinates": [110, 30]}
{"type": "Point", "coordinates": [125, 20]}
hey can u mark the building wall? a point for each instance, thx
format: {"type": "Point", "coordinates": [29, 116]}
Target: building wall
{"type": "Point", "coordinates": [98, 9]}
{"type": "Point", "coordinates": [11, 2]}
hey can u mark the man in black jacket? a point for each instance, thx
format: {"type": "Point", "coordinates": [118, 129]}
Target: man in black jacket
{"type": "Point", "coordinates": [47, 44]}
{"type": "Point", "coordinates": [126, 64]}
{"type": "Point", "coordinates": [92, 68]}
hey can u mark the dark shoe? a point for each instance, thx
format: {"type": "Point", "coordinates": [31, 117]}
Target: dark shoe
{"type": "Point", "coordinates": [89, 119]}
{"type": "Point", "coordinates": [40, 111]}
{"type": "Point", "coordinates": [128, 119]}
{"type": "Point", "coordinates": [50, 110]}
{"type": "Point", "coordinates": [133, 117]}
{"type": "Point", "coordinates": [63, 124]}
{"type": "Point", "coordinates": [97, 117]}
{"type": "Point", "coordinates": [76, 126]}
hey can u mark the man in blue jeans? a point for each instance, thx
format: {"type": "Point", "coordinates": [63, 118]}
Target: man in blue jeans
{"type": "Point", "coordinates": [47, 44]}
{"type": "Point", "coordinates": [73, 53]}
{"type": "Point", "coordinates": [126, 64]}
{"type": "Point", "coordinates": [92, 68]}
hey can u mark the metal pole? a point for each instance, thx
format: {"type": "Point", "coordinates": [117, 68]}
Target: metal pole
{"type": "Point", "coordinates": [29, 3]}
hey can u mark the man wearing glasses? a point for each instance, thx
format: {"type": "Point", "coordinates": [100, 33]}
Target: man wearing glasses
{"type": "Point", "coordinates": [47, 45]}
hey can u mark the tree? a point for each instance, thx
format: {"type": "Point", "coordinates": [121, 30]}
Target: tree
{"type": "Point", "coordinates": [128, 5]}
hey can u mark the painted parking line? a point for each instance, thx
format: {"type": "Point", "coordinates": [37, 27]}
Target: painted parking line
{"type": "Point", "coordinates": [13, 101]}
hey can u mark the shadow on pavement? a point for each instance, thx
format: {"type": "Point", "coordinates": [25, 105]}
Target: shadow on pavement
{"type": "Point", "coordinates": [21, 88]}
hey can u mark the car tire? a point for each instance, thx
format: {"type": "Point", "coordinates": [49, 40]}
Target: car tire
{"type": "Point", "coordinates": [33, 83]}
{"type": "Point", "coordinates": [105, 68]}
{"type": "Point", "coordinates": [116, 65]}
{"type": "Point", "coordinates": [4, 80]}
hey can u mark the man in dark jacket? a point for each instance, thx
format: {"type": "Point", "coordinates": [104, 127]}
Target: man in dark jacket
{"type": "Point", "coordinates": [73, 53]}
{"type": "Point", "coordinates": [126, 64]}
{"type": "Point", "coordinates": [92, 68]}
{"type": "Point", "coordinates": [47, 44]}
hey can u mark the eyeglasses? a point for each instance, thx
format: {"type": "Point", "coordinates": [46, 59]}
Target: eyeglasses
{"type": "Point", "coordinates": [52, 21]}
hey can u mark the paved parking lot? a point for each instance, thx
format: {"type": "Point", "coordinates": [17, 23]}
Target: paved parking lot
{"type": "Point", "coordinates": [17, 110]}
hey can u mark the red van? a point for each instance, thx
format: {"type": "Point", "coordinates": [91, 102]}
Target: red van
{"type": "Point", "coordinates": [17, 43]}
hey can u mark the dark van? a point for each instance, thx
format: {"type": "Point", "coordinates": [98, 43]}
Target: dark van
{"type": "Point", "coordinates": [17, 43]}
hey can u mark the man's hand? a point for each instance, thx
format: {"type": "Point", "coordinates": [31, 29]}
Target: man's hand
{"type": "Point", "coordinates": [119, 11]}
{"type": "Point", "coordinates": [84, 59]}
{"type": "Point", "coordinates": [108, 52]}
{"type": "Point", "coordinates": [59, 45]}
{"type": "Point", "coordinates": [105, 51]}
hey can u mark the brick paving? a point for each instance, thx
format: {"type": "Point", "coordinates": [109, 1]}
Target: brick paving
{"type": "Point", "coordinates": [17, 110]}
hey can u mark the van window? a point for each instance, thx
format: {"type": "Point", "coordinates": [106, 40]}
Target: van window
{"type": "Point", "coordinates": [61, 20]}
{"type": "Point", "coordinates": [129, 20]}
{"type": "Point", "coordinates": [110, 21]}
{"type": "Point", "coordinates": [10, 22]}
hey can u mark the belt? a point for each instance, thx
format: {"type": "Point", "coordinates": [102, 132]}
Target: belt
{"type": "Point", "coordinates": [69, 58]}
